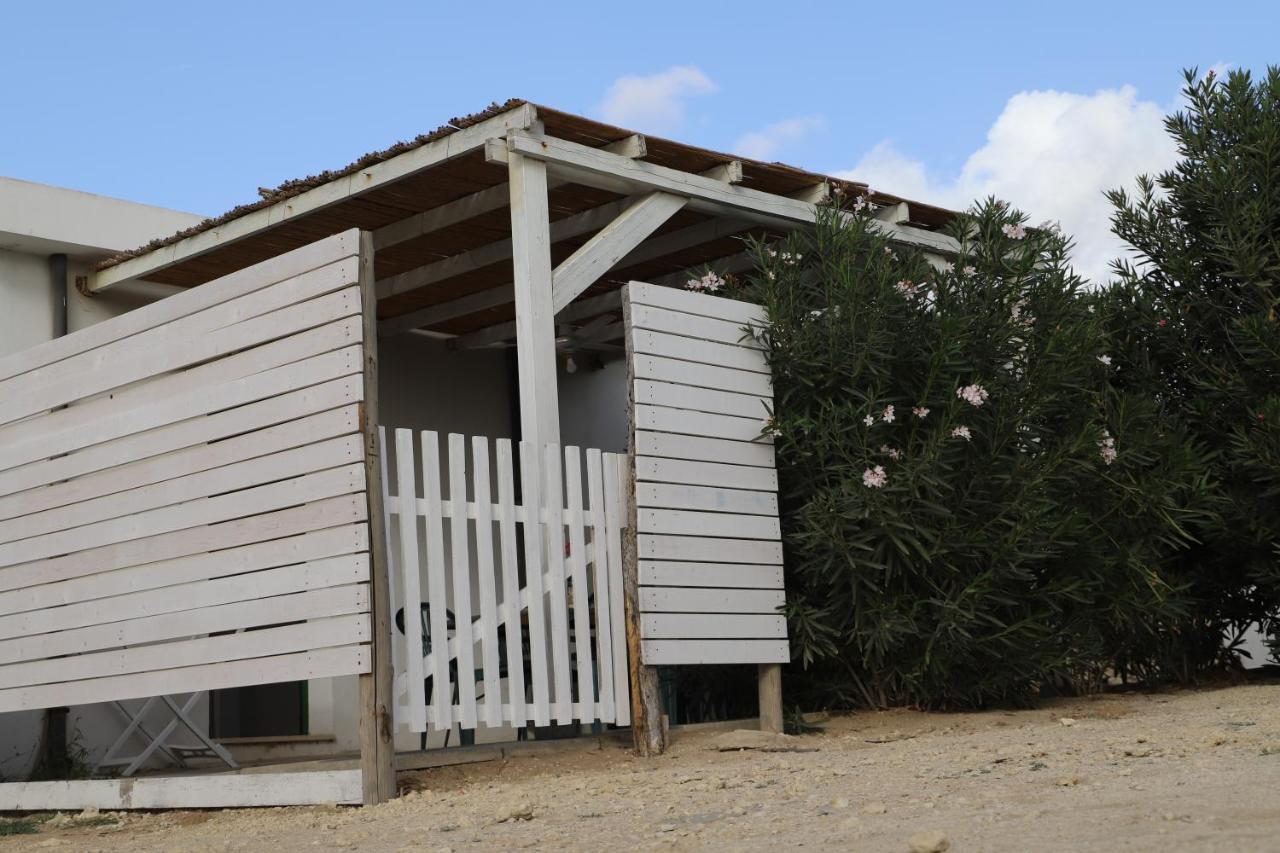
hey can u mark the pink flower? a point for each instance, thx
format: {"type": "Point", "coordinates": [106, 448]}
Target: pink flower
{"type": "Point", "coordinates": [907, 288]}
{"type": "Point", "coordinates": [962, 432]}
{"type": "Point", "coordinates": [887, 416]}
{"type": "Point", "coordinates": [920, 411]}
{"type": "Point", "coordinates": [974, 395]}
{"type": "Point", "coordinates": [875, 478]}
{"type": "Point", "coordinates": [1013, 231]}
{"type": "Point", "coordinates": [708, 283]}
{"type": "Point", "coordinates": [892, 452]}
{"type": "Point", "coordinates": [1107, 449]}
{"type": "Point", "coordinates": [869, 420]}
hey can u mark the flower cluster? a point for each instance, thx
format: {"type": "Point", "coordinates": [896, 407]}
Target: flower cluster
{"type": "Point", "coordinates": [709, 283]}
{"type": "Point", "coordinates": [1014, 231]}
{"type": "Point", "coordinates": [1020, 315]}
{"type": "Point", "coordinates": [875, 478]}
{"type": "Point", "coordinates": [920, 411]}
{"type": "Point", "coordinates": [788, 258]}
{"type": "Point", "coordinates": [861, 203]}
{"type": "Point", "coordinates": [887, 415]}
{"type": "Point", "coordinates": [974, 395]}
{"type": "Point", "coordinates": [907, 288]}
{"type": "Point", "coordinates": [962, 432]}
{"type": "Point", "coordinates": [892, 452]}
{"type": "Point", "coordinates": [1107, 448]}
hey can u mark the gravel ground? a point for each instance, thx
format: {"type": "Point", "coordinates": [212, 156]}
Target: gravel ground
{"type": "Point", "coordinates": [1189, 770]}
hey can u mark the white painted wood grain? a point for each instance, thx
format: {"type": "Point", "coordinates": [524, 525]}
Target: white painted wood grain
{"type": "Point", "coordinates": [709, 549]}
{"type": "Point", "coordinates": [659, 470]}
{"type": "Point", "coordinates": [662, 599]}
{"type": "Point", "coordinates": [688, 302]}
{"type": "Point", "coordinates": [680, 421]}
{"type": "Point", "coordinates": [186, 792]}
{"type": "Point", "coordinates": [459, 540]}
{"type": "Point", "coordinates": [510, 583]}
{"type": "Point", "coordinates": [536, 563]}
{"type": "Point", "coordinates": [704, 449]}
{"type": "Point", "coordinates": [411, 583]}
{"type": "Point", "coordinates": [700, 351]}
{"type": "Point", "coordinates": [647, 391]}
{"type": "Point", "coordinates": [600, 534]}
{"type": "Point", "coordinates": [701, 375]}
{"type": "Point", "coordinates": [705, 498]}
{"type": "Point", "coordinates": [693, 326]}
{"type": "Point", "coordinates": [437, 605]}
{"type": "Point", "coordinates": [554, 542]}
{"type": "Point", "coordinates": [677, 652]}
{"type": "Point", "coordinates": [684, 573]}
{"type": "Point", "coordinates": [577, 571]}
{"type": "Point", "coordinates": [617, 472]}
{"type": "Point", "coordinates": [713, 626]}
{"type": "Point", "coordinates": [486, 570]}
{"type": "Point", "coordinates": [691, 523]}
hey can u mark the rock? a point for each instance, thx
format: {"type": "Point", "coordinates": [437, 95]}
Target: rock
{"type": "Point", "coordinates": [524, 811]}
{"type": "Point", "coordinates": [88, 814]}
{"type": "Point", "coordinates": [758, 740]}
{"type": "Point", "coordinates": [59, 820]}
{"type": "Point", "coordinates": [667, 827]}
{"type": "Point", "coordinates": [929, 841]}
{"type": "Point", "coordinates": [874, 808]}
{"type": "Point", "coordinates": [1067, 721]}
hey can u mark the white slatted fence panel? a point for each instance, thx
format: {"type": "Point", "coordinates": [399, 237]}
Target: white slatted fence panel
{"type": "Point", "coordinates": [708, 537]}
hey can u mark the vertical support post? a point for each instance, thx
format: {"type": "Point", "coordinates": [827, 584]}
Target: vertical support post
{"type": "Point", "coordinates": [377, 748]}
{"type": "Point", "coordinates": [649, 735]}
{"type": "Point", "coordinates": [770, 685]}
{"type": "Point", "coordinates": [535, 319]}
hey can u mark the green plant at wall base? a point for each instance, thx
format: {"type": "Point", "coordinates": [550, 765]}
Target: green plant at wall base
{"type": "Point", "coordinates": [956, 468]}
{"type": "Point", "coordinates": [1196, 314]}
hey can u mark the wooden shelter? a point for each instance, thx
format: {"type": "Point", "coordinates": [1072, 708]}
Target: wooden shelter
{"type": "Point", "coordinates": [231, 434]}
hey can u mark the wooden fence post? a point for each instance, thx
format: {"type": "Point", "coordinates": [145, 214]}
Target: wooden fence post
{"type": "Point", "coordinates": [377, 726]}
{"type": "Point", "coordinates": [770, 687]}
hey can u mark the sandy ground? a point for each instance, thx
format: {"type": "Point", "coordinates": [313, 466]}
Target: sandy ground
{"type": "Point", "coordinates": [1192, 770]}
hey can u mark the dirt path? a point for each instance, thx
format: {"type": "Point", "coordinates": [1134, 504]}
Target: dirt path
{"type": "Point", "coordinates": [1179, 771]}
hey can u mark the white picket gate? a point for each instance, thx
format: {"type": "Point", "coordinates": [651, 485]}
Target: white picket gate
{"type": "Point", "coordinates": [543, 636]}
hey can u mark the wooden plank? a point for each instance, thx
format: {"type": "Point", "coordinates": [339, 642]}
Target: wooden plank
{"type": "Point", "coordinates": [438, 601]}
{"type": "Point", "coordinates": [663, 599]}
{"type": "Point", "coordinates": [250, 613]}
{"type": "Point", "coordinates": [185, 792]}
{"type": "Point", "coordinates": [577, 560]}
{"type": "Point", "coordinates": [322, 663]}
{"type": "Point", "coordinates": [697, 326]}
{"type": "Point", "coordinates": [709, 549]}
{"type": "Point", "coordinates": [717, 626]}
{"type": "Point", "coordinates": [463, 613]}
{"type": "Point", "coordinates": [702, 304]}
{"type": "Point", "coordinates": [701, 351]}
{"type": "Point", "coordinates": [30, 397]}
{"type": "Point", "coordinates": [299, 637]}
{"type": "Point", "coordinates": [705, 449]}
{"type": "Point", "coordinates": [332, 571]}
{"type": "Point", "coordinates": [684, 573]}
{"type": "Point", "coordinates": [535, 559]}
{"type": "Point", "coordinates": [769, 682]}
{"type": "Point", "coordinates": [294, 462]}
{"type": "Point", "coordinates": [260, 499]}
{"type": "Point", "coordinates": [169, 466]}
{"type": "Point", "coordinates": [77, 432]}
{"type": "Point", "coordinates": [702, 375]}
{"type": "Point", "coordinates": [327, 194]}
{"type": "Point", "coordinates": [395, 587]}
{"type": "Point", "coordinates": [685, 652]}
{"type": "Point", "coordinates": [346, 509]}
{"type": "Point", "coordinates": [616, 470]}
{"type": "Point", "coordinates": [179, 305]}
{"type": "Point", "coordinates": [535, 323]}
{"type": "Point", "coordinates": [510, 584]}
{"type": "Point", "coordinates": [653, 393]}
{"type": "Point", "coordinates": [705, 498]}
{"type": "Point", "coordinates": [601, 577]}
{"type": "Point", "coordinates": [316, 545]}
{"type": "Point", "coordinates": [487, 577]}
{"type": "Point", "coordinates": [690, 523]}
{"type": "Point", "coordinates": [684, 422]}
{"type": "Point", "coordinates": [659, 470]}
{"type": "Point", "coordinates": [194, 433]}
{"type": "Point", "coordinates": [411, 581]}
{"type": "Point", "coordinates": [554, 541]}
{"type": "Point", "coordinates": [613, 242]}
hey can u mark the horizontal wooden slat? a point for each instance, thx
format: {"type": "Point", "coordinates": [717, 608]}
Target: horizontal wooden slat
{"type": "Point", "coordinates": [171, 346]}
{"type": "Point", "coordinates": [690, 523]}
{"type": "Point", "coordinates": [324, 663]}
{"type": "Point", "coordinates": [261, 499]}
{"type": "Point", "coordinates": [345, 509]}
{"type": "Point", "coordinates": [333, 571]}
{"type": "Point", "coordinates": [312, 604]}
{"type": "Point", "coordinates": [678, 573]}
{"type": "Point", "coordinates": [713, 626]}
{"type": "Point", "coordinates": [299, 637]}
{"type": "Point", "coordinates": [672, 299]}
{"type": "Point", "coordinates": [263, 274]}
{"type": "Point", "coordinates": [316, 545]}
{"type": "Point", "coordinates": [677, 496]}
{"type": "Point", "coordinates": [191, 460]}
{"type": "Point", "coordinates": [680, 421]}
{"type": "Point", "coordinates": [675, 652]}
{"type": "Point", "coordinates": [699, 351]}
{"type": "Point", "coordinates": [193, 402]}
{"type": "Point", "coordinates": [704, 449]}
{"type": "Point", "coordinates": [662, 599]}
{"type": "Point", "coordinates": [194, 433]}
{"type": "Point", "coordinates": [692, 326]}
{"type": "Point", "coordinates": [701, 375]}
{"type": "Point", "coordinates": [294, 462]}
{"type": "Point", "coordinates": [202, 791]}
{"type": "Point", "coordinates": [653, 469]}
{"type": "Point", "coordinates": [709, 549]}
{"type": "Point", "coordinates": [647, 391]}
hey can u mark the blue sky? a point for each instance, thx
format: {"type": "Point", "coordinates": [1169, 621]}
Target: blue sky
{"type": "Point", "coordinates": [193, 106]}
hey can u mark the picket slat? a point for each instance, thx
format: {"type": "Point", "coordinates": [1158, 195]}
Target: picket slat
{"type": "Point", "coordinates": [395, 586]}
{"type": "Point", "coordinates": [412, 584]}
{"type": "Point", "coordinates": [600, 562]}
{"type": "Point", "coordinates": [553, 492]}
{"type": "Point", "coordinates": [437, 602]}
{"type": "Point", "coordinates": [486, 576]}
{"type": "Point", "coordinates": [578, 574]}
{"type": "Point", "coordinates": [615, 474]}
{"type": "Point", "coordinates": [536, 562]}
{"type": "Point", "coordinates": [510, 586]}
{"type": "Point", "coordinates": [462, 615]}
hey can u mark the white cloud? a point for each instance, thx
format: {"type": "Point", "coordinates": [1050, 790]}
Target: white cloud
{"type": "Point", "coordinates": [764, 144]}
{"type": "Point", "coordinates": [1050, 153]}
{"type": "Point", "coordinates": [655, 103]}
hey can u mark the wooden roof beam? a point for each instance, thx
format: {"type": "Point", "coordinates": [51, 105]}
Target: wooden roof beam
{"type": "Point", "coordinates": [500, 332]}
{"type": "Point", "coordinates": [379, 174]}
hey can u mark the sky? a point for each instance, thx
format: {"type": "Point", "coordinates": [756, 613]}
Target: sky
{"type": "Point", "coordinates": [194, 106]}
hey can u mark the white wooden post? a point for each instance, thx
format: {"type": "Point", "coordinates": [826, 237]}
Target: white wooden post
{"type": "Point", "coordinates": [535, 319]}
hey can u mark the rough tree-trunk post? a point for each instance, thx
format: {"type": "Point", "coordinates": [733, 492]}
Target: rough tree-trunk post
{"type": "Point", "coordinates": [770, 686]}
{"type": "Point", "coordinates": [377, 747]}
